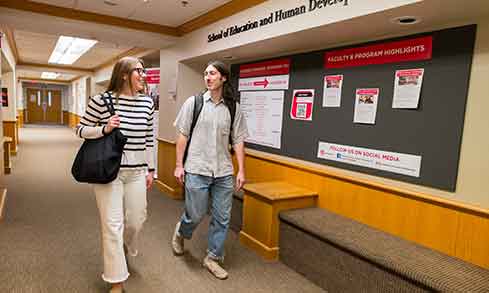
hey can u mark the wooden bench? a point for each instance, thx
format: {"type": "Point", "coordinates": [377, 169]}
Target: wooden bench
{"type": "Point", "coordinates": [342, 255]}
{"type": "Point", "coordinates": [7, 143]}
{"type": "Point", "coordinates": [262, 203]}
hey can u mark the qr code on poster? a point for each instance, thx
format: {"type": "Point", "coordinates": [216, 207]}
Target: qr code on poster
{"type": "Point", "coordinates": [301, 110]}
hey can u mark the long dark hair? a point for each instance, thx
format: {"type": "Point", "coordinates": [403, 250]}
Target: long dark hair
{"type": "Point", "coordinates": [228, 93]}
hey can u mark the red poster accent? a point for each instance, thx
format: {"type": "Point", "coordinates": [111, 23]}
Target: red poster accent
{"type": "Point", "coordinates": [302, 103]}
{"type": "Point", "coordinates": [273, 67]}
{"type": "Point", "coordinates": [393, 52]}
{"type": "Point", "coordinates": [153, 76]}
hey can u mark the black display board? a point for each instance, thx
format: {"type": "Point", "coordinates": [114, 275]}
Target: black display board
{"type": "Point", "coordinates": [433, 131]}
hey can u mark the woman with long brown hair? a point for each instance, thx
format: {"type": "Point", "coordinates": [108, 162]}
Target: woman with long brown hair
{"type": "Point", "coordinates": [122, 202]}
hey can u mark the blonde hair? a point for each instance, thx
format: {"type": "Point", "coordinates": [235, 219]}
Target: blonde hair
{"type": "Point", "coordinates": [123, 67]}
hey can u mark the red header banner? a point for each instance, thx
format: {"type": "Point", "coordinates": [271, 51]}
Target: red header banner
{"type": "Point", "coordinates": [266, 68]}
{"type": "Point", "coordinates": [393, 52]}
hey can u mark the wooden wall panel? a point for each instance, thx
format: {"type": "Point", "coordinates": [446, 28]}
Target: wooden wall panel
{"type": "Point", "coordinates": [10, 129]}
{"type": "Point", "coordinates": [73, 120]}
{"type": "Point", "coordinates": [20, 118]}
{"type": "Point", "coordinates": [455, 229]}
{"type": "Point", "coordinates": [66, 118]}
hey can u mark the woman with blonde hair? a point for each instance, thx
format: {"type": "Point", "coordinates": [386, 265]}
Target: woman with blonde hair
{"type": "Point", "coordinates": [122, 202]}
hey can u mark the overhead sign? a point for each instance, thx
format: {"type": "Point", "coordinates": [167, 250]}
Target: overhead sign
{"type": "Point", "coordinates": [400, 51]}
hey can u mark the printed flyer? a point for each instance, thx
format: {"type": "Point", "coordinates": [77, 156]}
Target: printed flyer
{"type": "Point", "coordinates": [332, 90]}
{"type": "Point", "coordinates": [407, 88]}
{"type": "Point", "coordinates": [302, 105]}
{"type": "Point", "coordinates": [366, 105]}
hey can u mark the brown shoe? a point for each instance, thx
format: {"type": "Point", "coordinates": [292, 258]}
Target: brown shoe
{"type": "Point", "coordinates": [116, 288]}
{"type": "Point", "coordinates": [214, 268]}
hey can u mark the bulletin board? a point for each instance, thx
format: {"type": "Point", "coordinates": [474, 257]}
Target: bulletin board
{"type": "Point", "coordinates": [432, 131]}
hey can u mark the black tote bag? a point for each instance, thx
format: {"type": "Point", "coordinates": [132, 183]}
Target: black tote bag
{"type": "Point", "coordinates": [99, 160]}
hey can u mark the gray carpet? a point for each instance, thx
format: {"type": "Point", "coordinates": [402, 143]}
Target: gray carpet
{"type": "Point", "coordinates": [50, 236]}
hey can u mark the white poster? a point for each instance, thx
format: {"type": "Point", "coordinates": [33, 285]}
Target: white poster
{"type": "Point", "coordinates": [273, 82]}
{"type": "Point", "coordinates": [366, 105]}
{"type": "Point", "coordinates": [407, 88]}
{"type": "Point", "coordinates": [263, 111]}
{"type": "Point", "coordinates": [332, 90]}
{"type": "Point", "coordinates": [388, 161]}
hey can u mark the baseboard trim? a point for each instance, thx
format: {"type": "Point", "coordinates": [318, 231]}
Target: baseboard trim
{"type": "Point", "coordinates": [171, 192]}
{"type": "Point", "coordinates": [268, 253]}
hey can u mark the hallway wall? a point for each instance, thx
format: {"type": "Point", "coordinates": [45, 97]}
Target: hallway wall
{"type": "Point", "coordinates": [456, 223]}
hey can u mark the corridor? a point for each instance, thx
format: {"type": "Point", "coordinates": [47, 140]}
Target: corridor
{"type": "Point", "coordinates": [50, 238]}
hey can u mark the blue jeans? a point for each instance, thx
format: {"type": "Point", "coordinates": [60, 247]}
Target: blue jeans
{"type": "Point", "coordinates": [198, 189]}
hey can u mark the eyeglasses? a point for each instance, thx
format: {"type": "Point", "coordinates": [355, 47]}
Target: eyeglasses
{"type": "Point", "coordinates": [140, 71]}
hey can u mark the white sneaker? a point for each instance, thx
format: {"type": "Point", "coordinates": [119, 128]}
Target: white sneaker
{"type": "Point", "coordinates": [214, 268]}
{"type": "Point", "coordinates": [177, 241]}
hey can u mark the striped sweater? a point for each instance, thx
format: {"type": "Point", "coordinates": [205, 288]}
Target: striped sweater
{"type": "Point", "coordinates": [136, 116]}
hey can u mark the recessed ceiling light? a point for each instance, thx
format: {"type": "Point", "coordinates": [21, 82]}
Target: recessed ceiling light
{"type": "Point", "coordinates": [406, 20]}
{"type": "Point", "coordinates": [49, 75]}
{"type": "Point", "coordinates": [69, 49]}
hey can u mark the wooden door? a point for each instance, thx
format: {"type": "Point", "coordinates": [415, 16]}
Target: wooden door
{"type": "Point", "coordinates": [34, 108]}
{"type": "Point", "coordinates": [43, 106]}
{"type": "Point", "coordinates": [53, 106]}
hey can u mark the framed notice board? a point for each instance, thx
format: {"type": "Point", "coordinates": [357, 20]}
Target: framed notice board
{"type": "Point", "coordinates": [418, 144]}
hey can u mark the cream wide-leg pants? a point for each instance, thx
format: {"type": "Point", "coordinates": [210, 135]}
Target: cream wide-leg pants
{"type": "Point", "coordinates": [122, 208]}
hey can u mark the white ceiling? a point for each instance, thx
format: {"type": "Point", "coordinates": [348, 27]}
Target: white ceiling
{"type": "Point", "coordinates": [36, 34]}
{"type": "Point", "coordinates": [163, 12]}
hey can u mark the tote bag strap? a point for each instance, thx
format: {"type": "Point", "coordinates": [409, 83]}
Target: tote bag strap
{"type": "Point", "coordinates": [110, 105]}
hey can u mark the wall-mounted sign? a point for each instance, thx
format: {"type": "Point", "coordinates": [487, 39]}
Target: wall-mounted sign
{"type": "Point", "coordinates": [4, 97]}
{"type": "Point", "coordinates": [153, 76]}
{"type": "Point", "coordinates": [376, 159]}
{"type": "Point", "coordinates": [274, 82]}
{"type": "Point", "coordinates": [273, 17]}
{"type": "Point", "coordinates": [273, 67]}
{"type": "Point", "coordinates": [392, 52]}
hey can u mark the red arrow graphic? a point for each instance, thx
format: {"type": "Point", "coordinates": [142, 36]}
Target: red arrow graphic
{"type": "Point", "coordinates": [264, 83]}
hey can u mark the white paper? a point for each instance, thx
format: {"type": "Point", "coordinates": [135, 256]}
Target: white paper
{"type": "Point", "coordinates": [388, 161]}
{"type": "Point", "coordinates": [263, 112]}
{"type": "Point", "coordinates": [366, 105]}
{"type": "Point", "coordinates": [332, 90]}
{"type": "Point", "coordinates": [407, 88]}
{"type": "Point", "coordinates": [273, 82]}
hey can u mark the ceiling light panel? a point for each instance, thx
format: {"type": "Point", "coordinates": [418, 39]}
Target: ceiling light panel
{"type": "Point", "coordinates": [49, 75]}
{"type": "Point", "coordinates": [69, 49]}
